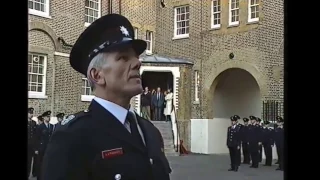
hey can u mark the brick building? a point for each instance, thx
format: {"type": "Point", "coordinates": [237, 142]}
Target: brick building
{"type": "Point", "coordinates": [210, 48]}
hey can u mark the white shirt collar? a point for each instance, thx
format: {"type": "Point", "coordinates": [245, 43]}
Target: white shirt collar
{"type": "Point", "coordinates": [119, 112]}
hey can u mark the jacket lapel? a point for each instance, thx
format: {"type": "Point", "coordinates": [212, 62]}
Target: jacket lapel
{"type": "Point", "coordinates": [112, 125]}
{"type": "Point", "coordinates": [151, 137]}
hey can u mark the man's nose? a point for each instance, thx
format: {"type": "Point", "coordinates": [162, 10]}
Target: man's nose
{"type": "Point", "coordinates": [136, 64]}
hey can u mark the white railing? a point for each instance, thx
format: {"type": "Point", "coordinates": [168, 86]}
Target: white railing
{"type": "Point", "coordinates": [174, 123]}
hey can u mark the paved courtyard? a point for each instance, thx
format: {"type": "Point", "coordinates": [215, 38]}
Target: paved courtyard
{"type": "Point", "coordinates": [208, 167]}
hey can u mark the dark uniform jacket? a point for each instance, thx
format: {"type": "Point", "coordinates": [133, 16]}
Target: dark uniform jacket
{"type": "Point", "coordinates": [233, 136]}
{"type": "Point", "coordinates": [32, 134]}
{"type": "Point", "coordinates": [267, 136]}
{"type": "Point", "coordinates": [279, 137]}
{"type": "Point", "coordinates": [244, 133]}
{"type": "Point", "coordinates": [44, 134]}
{"type": "Point", "coordinates": [254, 134]}
{"type": "Point", "coordinates": [77, 150]}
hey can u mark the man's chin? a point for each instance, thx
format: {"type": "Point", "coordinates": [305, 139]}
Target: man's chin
{"type": "Point", "coordinates": [136, 90]}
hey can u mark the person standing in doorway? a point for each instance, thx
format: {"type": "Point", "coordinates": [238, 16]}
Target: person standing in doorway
{"type": "Point", "coordinates": [146, 103]}
{"type": "Point", "coordinates": [168, 109]}
{"type": "Point", "coordinates": [158, 102]}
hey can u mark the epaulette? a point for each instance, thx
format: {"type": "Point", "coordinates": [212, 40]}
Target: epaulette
{"type": "Point", "coordinates": [73, 118]}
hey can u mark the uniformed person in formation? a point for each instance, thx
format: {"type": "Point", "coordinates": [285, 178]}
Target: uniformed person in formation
{"type": "Point", "coordinates": [279, 141]}
{"type": "Point", "coordinates": [244, 141]}
{"type": "Point", "coordinates": [36, 163]}
{"type": "Point", "coordinates": [239, 134]}
{"type": "Point", "coordinates": [32, 139]}
{"type": "Point", "coordinates": [254, 139]}
{"type": "Point", "coordinates": [267, 142]}
{"type": "Point", "coordinates": [107, 141]}
{"type": "Point", "coordinates": [259, 122]}
{"type": "Point", "coordinates": [234, 143]}
{"type": "Point", "coordinates": [44, 132]}
{"type": "Point", "coordinates": [60, 117]}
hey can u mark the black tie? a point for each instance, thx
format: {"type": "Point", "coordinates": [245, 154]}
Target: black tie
{"type": "Point", "coordinates": [134, 128]}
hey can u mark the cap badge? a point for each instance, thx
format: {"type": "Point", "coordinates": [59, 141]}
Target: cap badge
{"type": "Point", "coordinates": [124, 31]}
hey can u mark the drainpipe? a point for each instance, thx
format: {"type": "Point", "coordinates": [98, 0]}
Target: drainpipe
{"type": "Point", "coordinates": [53, 84]}
{"type": "Point", "coordinates": [201, 62]}
{"type": "Point", "coordinates": [109, 6]}
{"type": "Point", "coordinates": [119, 6]}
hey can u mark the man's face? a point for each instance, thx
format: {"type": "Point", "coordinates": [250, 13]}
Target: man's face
{"type": "Point", "coordinates": [146, 89]}
{"type": "Point", "coordinates": [40, 121]}
{"type": "Point", "coordinates": [253, 122]}
{"type": "Point", "coordinates": [60, 119]}
{"type": "Point", "coordinates": [158, 89]}
{"type": "Point", "coordinates": [46, 119]}
{"type": "Point", "coordinates": [233, 122]}
{"type": "Point", "coordinates": [168, 91]}
{"type": "Point", "coordinates": [30, 115]}
{"type": "Point", "coordinates": [245, 123]}
{"type": "Point", "coordinates": [121, 75]}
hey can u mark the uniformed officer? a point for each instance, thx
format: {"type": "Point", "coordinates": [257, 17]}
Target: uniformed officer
{"type": "Point", "coordinates": [259, 123]}
{"type": "Point", "coordinates": [278, 137]}
{"type": "Point", "coordinates": [254, 139]}
{"type": "Point", "coordinates": [36, 163]}
{"type": "Point", "coordinates": [107, 141]}
{"type": "Point", "coordinates": [233, 143]}
{"type": "Point", "coordinates": [60, 117]}
{"type": "Point", "coordinates": [239, 134]}
{"type": "Point", "coordinates": [244, 140]}
{"type": "Point", "coordinates": [32, 139]}
{"type": "Point", "coordinates": [267, 142]}
{"type": "Point", "coordinates": [44, 132]}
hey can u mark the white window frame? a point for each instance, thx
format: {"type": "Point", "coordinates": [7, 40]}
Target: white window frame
{"type": "Point", "coordinates": [196, 86]}
{"type": "Point", "coordinates": [230, 14]}
{"type": "Point", "coordinates": [150, 33]}
{"type": "Point", "coordinates": [45, 14]}
{"type": "Point", "coordinates": [135, 32]}
{"type": "Point", "coordinates": [86, 98]}
{"type": "Point", "coordinates": [249, 11]}
{"type": "Point", "coordinates": [175, 35]}
{"type": "Point", "coordinates": [42, 94]}
{"type": "Point", "coordinates": [86, 24]}
{"type": "Point", "coordinates": [214, 26]}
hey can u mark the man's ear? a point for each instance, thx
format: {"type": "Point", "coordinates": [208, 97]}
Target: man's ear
{"type": "Point", "coordinates": [96, 76]}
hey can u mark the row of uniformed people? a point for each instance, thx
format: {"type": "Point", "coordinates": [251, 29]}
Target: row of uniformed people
{"type": "Point", "coordinates": [38, 138]}
{"type": "Point", "coordinates": [252, 137]}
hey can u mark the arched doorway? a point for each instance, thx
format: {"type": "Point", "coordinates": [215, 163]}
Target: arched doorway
{"type": "Point", "coordinates": [235, 91]}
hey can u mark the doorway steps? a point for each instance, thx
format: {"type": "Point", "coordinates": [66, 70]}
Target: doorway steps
{"type": "Point", "coordinates": [167, 135]}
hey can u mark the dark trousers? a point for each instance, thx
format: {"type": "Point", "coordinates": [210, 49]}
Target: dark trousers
{"type": "Point", "coordinates": [260, 153]}
{"type": "Point", "coordinates": [29, 160]}
{"type": "Point", "coordinates": [280, 156]}
{"type": "Point", "coordinates": [34, 169]}
{"type": "Point", "coordinates": [158, 113]}
{"type": "Point", "coordinates": [254, 154]}
{"type": "Point", "coordinates": [234, 157]}
{"type": "Point", "coordinates": [268, 152]}
{"type": "Point", "coordinates": [39, 164]}
{"type": "Point", "coordinates": [245, 152]}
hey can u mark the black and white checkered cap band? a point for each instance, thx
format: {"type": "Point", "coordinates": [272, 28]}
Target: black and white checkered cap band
{"type": "Point", "coordinates": [106, 44]}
